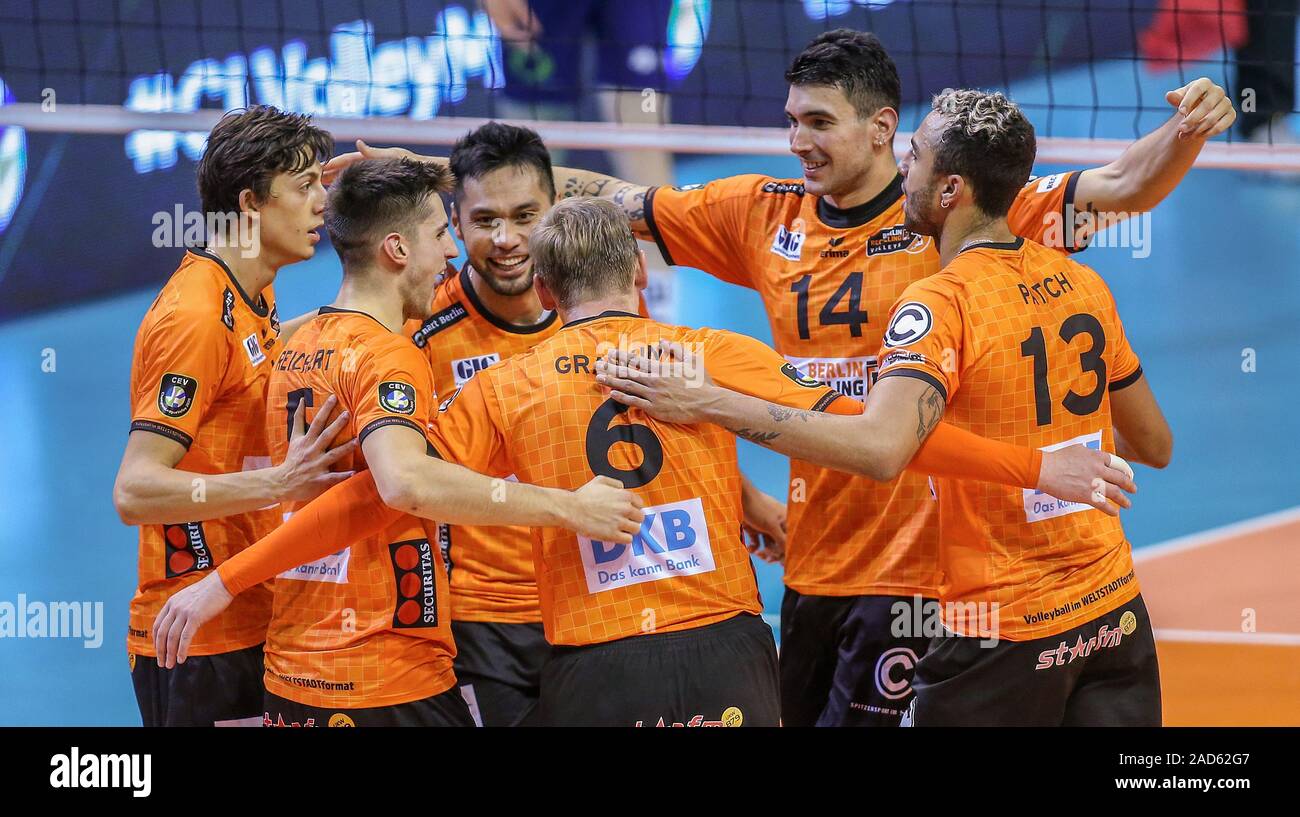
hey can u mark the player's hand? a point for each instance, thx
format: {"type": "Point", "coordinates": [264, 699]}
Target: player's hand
{"type": "Point", "coordinates": [603, 509]}
{"type": "Point", "coordinates": [335, 166]}
{"type": "Point", "coordinates": [184, 613]}
{"type": "Point", "coordinates": [515, 22]}
{"type": "Point", "coordinates": [763, 527]}
{"type": "Point", "coordinates": [674, 388]}
{"type": "Point", "coordinates": [1206, 108]}
{"type": "Point", "coordinates": [1082, 474]}
{"type": "Point", "coordinates": [305, 472]}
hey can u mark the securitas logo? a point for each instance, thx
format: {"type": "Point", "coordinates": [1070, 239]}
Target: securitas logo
{"type": "Point", "coordinates": [417, 590]}
{"type": "Point", "coordinates": [673, 541]}
{"type": "Point", "coordinates": [467, 367]}
{"type": "Point", "coordinates": [788, 243]}
{"type": "Point", "coordinates": [187, 549]}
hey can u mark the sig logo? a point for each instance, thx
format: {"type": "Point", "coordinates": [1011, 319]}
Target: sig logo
{"type": "Point", "coordinates": [911, 322]}
{"type": "Point", "coordinates": [397, 397]}
{"type": "Point", "coordinates": [13, 163]}
{"type": "Point", "coordinates": [673, 541]}
{"type": "Point", "coordinates": [894, 672]}
{"type": "Point", "coordinates": [788, 243]}
{"type": "Point", "coordinates": [467, 367]}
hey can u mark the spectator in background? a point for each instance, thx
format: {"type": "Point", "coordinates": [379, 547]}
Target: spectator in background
{"type": "Point", "coordinates": [1266, 65]}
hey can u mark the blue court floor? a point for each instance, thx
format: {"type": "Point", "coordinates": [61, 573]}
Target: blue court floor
{"type": "Point", "coordinates": [1222, 283]}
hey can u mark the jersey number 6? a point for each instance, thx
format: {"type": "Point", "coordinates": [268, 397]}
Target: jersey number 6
{"type": "Point", "coordinates": [601, 437]}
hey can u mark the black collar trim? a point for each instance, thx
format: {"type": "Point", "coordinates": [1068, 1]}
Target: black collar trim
{"type": "Point", "coordinates": [259, 308]}
{"type": "Point", "coordinates": [996, 245]}
{"type": "Point", "coordinates": [608, 313]}
{"type": "Point", "coordinates": [505, 326]}
{"type": "Point", "coordinates": [329, 310]}
{"type": "Point", "coordinates": [833, 216]}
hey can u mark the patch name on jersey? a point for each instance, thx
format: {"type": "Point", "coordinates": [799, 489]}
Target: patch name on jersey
{"type": "Point", "coordinates": [467, 367]}
{"type": "Point", "coordinates": [275, 319]}
{"type": "Point", "coordinates": [1040, 506]}
{"type": "Point", "coordinates": [437, 322]}
{"type": "Point", "coordinates": [784, 187]}
{"type": "Point", "coordinates": [397, 397]}
{"type": "Point", "coordinates": [673, 541]}
{"type": "Point", "coordinates": [911, 322]}
{"type": "Point", "coordinates": [788, 243]}
{"type": "Point", "coordinates": [176, 394]}
{"type": "Point", "coordinates": [850, 376]}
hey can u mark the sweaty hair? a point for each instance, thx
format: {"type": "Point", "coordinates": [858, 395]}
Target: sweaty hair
{"type": "Point", "coordinates": [855, 62]}
{"type": "Point", "coordinates": [248, 147]}
{"type": "Point", "coordinates": [988, 141]}
{"type": "Point", "coordinates": [373, 198]}
{"type": "Point", "coordinates": [496, 145]}
{"type": "Point", "coordinates": [584, 249]}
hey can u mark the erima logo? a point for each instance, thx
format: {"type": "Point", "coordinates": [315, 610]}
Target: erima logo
{"type": "Point", "coordinates": [788, 244]}
{"type": "Point", "coordinates": [90, 771]}
{"type": "Point", "coordinates": [911, 322]}
{"type": "Point", "coordinates": [467, 367]}
{"type": "Point", "coordinates": [834, 253]}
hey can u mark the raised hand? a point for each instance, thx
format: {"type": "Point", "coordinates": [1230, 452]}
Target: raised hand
{"type": "Point", "coordinates": [1082, 474]}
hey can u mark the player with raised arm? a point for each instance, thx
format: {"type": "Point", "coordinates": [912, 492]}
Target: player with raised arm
{"type": "Point", "coordinates": [829, 254]}
{"type": "Point", "coordinates": [363, 635]}
{"type": "Point", "coordinates": [1018, 343]}
{"type": "Point", "coordinates": [195, 473]}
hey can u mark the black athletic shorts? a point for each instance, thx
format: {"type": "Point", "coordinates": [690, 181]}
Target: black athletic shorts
{"type": "Point", "coordinates": [721, 674]}
{"type": "Point", "coordinates": [1103, 673]}
{"type": "Point", "coordinates": [444, 709]}
{"type": "Point", "coordinates": [207, 690]}
{"type": "Point", "coordinates": [499, 667]}
{"type": "Point", "coordinates": [842, 664]}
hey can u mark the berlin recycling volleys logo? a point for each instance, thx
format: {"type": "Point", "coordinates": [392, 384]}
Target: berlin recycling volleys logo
{"type": "Point", "coordinates": [13, 162]}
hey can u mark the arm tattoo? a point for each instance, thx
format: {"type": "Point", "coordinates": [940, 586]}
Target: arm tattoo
{"type": "Point", "coordinates": [576, 186]}
{"type": "Point", "coordinates": [780, 414]}
{"type": "Point", "coordinates": [756, 436]}
{"type": "Point", "coordinates": [635, 209]}
{"type": "Point", "coordinates": [929, 410]}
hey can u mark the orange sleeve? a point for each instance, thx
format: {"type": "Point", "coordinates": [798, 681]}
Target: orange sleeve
{"type": "Point", "coordinates": [181, 361]}
{"type": "Point", "coordinates": [469, 429]}
{"type": "Point", "coordinates": [703, 225]}
{"type": "Point", "coordinates": [925, 335]}
{"type": "Point", "coordinates": [1125, 369]}
{"type": "Point", "coordinates": [392, 386]}
{"type": "Point", "coordinates": [347, 513]}
{"type": "Point", "coordinates": [953, 452]}
{"type": "Point", "coordinates": [1044, 212]}
{"type": "Point", "coordinates": [748, 366]}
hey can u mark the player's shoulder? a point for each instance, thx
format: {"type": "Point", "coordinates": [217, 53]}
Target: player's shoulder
{"type": "Point", "coordinates": [193, 298]}
{"type": "Point", "coordinates": [749, 185]}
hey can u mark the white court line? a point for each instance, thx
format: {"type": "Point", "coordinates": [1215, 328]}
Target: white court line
{"type": "Point", "coordinates": [1229, 637]}
{"type": "Point", "coordinates": [1208, 537]}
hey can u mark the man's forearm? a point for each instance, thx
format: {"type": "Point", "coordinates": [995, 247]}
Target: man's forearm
{"type": "Point", "coordinates": [1144, 174]}
{"type": "Point", "coordinates": [157, 495]}
{"type": "Point", "coordinates": [456, 495]}
{"type": "Point", "coordinates": [628, 196]}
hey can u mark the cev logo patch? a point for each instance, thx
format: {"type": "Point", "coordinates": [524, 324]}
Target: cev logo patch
{"type": "Point", "coordinates": [673, 541]}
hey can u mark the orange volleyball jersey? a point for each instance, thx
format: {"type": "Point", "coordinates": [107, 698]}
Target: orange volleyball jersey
{"type": "Point", "coordinates": [199, 373]}
{"type": "Point", "coordinates": [491, 567]}
{"type": "Point", "coordinates": [828, 278]}
{"type": "Point", "coordinates": [1026, 346]}
{"type": "Point", "coordinates": [542, 416]}
{"type": "Point", "coordinates": [369, 625]}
